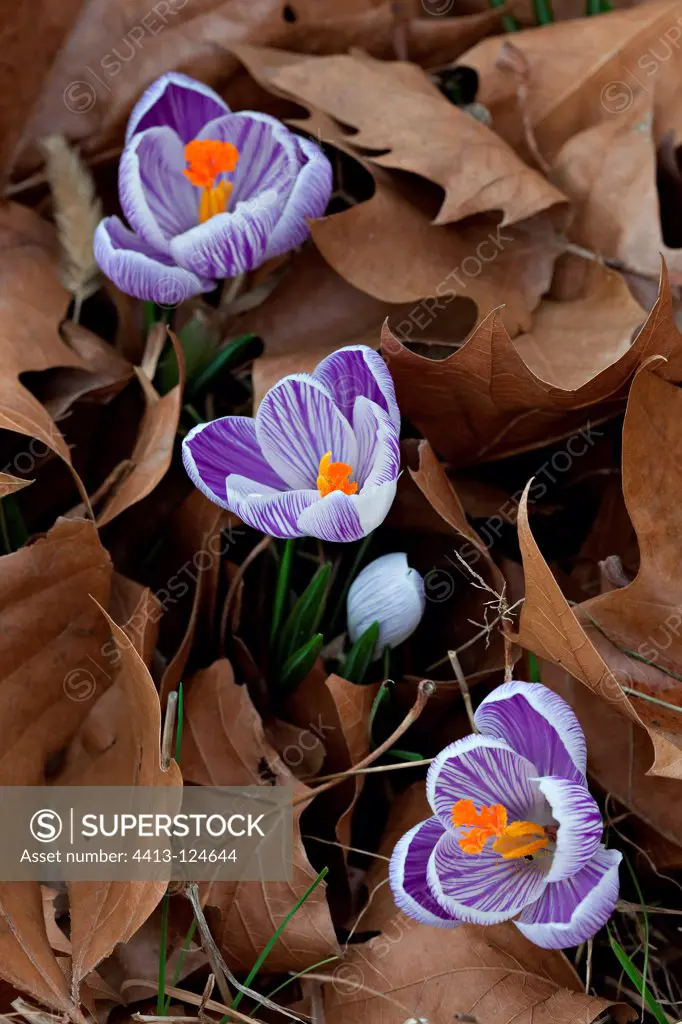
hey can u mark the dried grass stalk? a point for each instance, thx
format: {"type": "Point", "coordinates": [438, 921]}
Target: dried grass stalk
{"type": "Point", "coordinates": [77, 212]}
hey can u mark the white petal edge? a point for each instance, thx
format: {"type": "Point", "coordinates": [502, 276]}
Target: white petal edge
{"type": "Point", "coordinates": [403, 899]}
{"type": "Point", "coordinates": [552, 707]}
{"type": "Point", "coordinates": [580, 825]}
{"type": "Point", "coordinates": [589, 915]}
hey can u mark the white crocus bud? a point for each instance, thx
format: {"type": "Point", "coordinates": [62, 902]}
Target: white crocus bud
{"type": "Point", "coordinates": [387, 591]}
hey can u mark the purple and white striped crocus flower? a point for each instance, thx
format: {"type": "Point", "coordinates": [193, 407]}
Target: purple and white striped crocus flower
{"type": "Point", "coordinates": [515, 833]}
{"type": "Point", "coordinates": [321, 458]}
{"type": "Point", "coordinates": [209, 194]}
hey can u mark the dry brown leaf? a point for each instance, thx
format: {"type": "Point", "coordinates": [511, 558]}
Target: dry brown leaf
{"type": "Point", "coordinates": [592, 642]}
{"type": "Point", "coordinates": [396, 109]}
{"type": "Point", "coordinates": [224, 745]}
{"type": "Point", "coordinates": [494, 974]}
{"type": "Point", "coordinates": [603, 62]}
{"type": "Point", "coordinates": [609, 172]}
{"type": "Point", "coordinates": [107, 372]}
{"type": "Point", "coordinates": [389, 247]}
{"type": "Point", "coordinates": [198, 545]}
{"type": "Point", "coordinates": [105, 913]}
{"type": "Point", "coordinates": [51, 638]}
{"type": "Point", "coordinates": [10, 484]}
{"type": "Point", "coordinates": [484, 402]}
{"type": "Point", "coordinates": [572, 341]}
{"type": "Point", "coordinates": [28, 57]}
{"type": "Point", "coordinates": [153, 451]}
{"type": "Point", "coordinates": [619, 757]}
{"type": "Point", "coordinates": [32, 304]}
{"type": "Point", "coordinates": [115, 52]}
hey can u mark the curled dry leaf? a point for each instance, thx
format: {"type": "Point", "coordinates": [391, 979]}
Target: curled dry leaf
{"type": "Point", "coordinates": [153, 451]}
{"type": "Point", "coordinates": [619, 754]}
{"type": "Point", "coordinates": [609, 642]}
{"type": "Point", "coordinates": [484, 402]}
{"type": "Point", "coordinates": [401, 115]}
{"type": "Point", "coordinates": [105, 913]}
{"type": "Point", "coordinates": [107, 372]}
{"type": "Point", "coordinates": [32, 305]}
{"type": "Point", "coordinates": [224, 745]}
{"type": "Point", "coordinates": [9, 484]}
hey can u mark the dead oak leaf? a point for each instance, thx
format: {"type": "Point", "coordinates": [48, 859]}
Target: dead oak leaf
{"type": "Point", "coordinates": [601, 64]}
{"type": "Point", "coordinates": [484, 402]}
{"type": "Point", "coordinates": [400, 115]}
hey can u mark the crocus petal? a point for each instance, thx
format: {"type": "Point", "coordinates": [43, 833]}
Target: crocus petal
{"type": "Point", "coordinates": [482, 888]}
{"type": "Point", "coordinates": [268, 156]}
{"type": "Point", "coordinates": [296, 424]}
{"type": "Point", "coordinates": [407, 875]}
{"type": "Point", "coordinates": [157, 199]}
{"type": "Point", "coordinates": [309, 197]}
{"type": "Point", "coordinates": [343, 517]}
{"type": "Point", "coordinates": [389, 592]}
{"type": "Point", "coordinates": [484, 770]}
{"type": "Point", "coordinates": [580, 825]}
{"type": "Point", "coordinates": [572, 911]}
{"type": "Point", "coordinates": [139, 270]}
{"type": "Point", "coordinates": [229, 243]}
{"type": "Point", "coordinates": [378, 444]}
{"type": "Point", "coordinates": [178, 101]}
{"type": "Point", "coordinates": [212, 451]}
{"type": "Point", "coordinates": [358, 370]}
{"type": "Point", "coordinates": [263, 508]}
{"type": "Point", "coordinates": [538, 724]}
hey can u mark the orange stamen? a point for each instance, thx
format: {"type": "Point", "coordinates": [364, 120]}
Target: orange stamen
{"type": "Point", "coordinates": [514, 840]}
{"type": "Point", "coordinates": [206, 159]}
{"type": "Point", "coordinates": [333, 476]}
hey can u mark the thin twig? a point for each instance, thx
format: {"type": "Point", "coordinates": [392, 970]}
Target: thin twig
{"type": "Point", "coordinates": [348, 849]}
{"type": "Point", "coordinates": [168, 737]}
{"type": "Point", "coordinates": [464, 689]}
{"type": "Point", "coordinates": [588, 967]}
{"type": "Point", "coordinates": [217, 962]}
{"type": "Point", "coordinates": [185, 997]}
{"type": "Point", "coordinates": [426, 689]}
{"type": "Point", "coordinates": [213, 954]}
{"type": "Point", "coordinates": [349, 772]}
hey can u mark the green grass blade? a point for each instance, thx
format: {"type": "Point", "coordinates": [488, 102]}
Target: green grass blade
{"type": "Point", "coordinates": [297, 667]}
{"type": "Point", "coordinates": [266, 951]}
{"type": "Point", "coordinates": [533, 668]}
{"type": "Point", "coordinates": [404, 755]}
{"type": "Point", "coordinates": [282, 589]}
{"type": "Point", "coordinates": [181, 960]}
{"type": "Point", "coordinates": [228, 357]}
{"type": "Point", "coordinates": [163, 954]}
{"type": "Point", "coordinates": [359, 658]}
{"type": "Point", "coordinates": [306, 615]}
{"type": "Point", "coordinates": [637, 980]}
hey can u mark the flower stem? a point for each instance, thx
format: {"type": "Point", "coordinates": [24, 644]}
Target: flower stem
{"type": "Point", "coordinates": [282, 588]}
{"type": "Point", "coordinates": [341, 603]}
